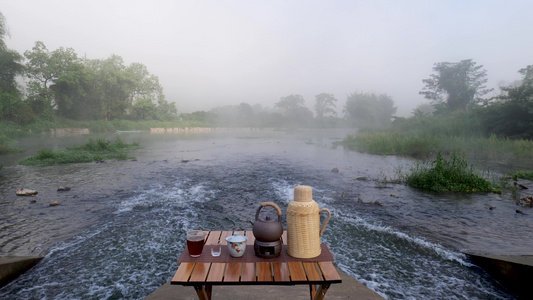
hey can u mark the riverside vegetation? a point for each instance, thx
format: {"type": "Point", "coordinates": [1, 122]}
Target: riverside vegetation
{"type": "Point", "coordinates": [459, 123]}
{"type": "Point", "coordinates": [94, 150]}
{"type": "Point", "coordinates": [449, 175]}
{"type": "Point", "coordinates": [442, 143]}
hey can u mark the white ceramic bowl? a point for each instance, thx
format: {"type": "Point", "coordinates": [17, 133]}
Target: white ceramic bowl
{"type": "Point", "coordinates": [236, 245]}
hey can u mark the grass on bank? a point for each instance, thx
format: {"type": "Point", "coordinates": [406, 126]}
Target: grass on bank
{"type": "Point", "coordinates": [94, 150]}
{"type": "Point", "coordinates": [424, 145]}
{"type": "Point", "coordinates": [4, 145]}
{"type": "Point", "coordinates": [451, 174]}
{"type": "Point", "coordinates": [523, 175]}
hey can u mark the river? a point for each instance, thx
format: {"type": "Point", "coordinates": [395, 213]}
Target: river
{"type": "Point", "coordinates": [118, 232]}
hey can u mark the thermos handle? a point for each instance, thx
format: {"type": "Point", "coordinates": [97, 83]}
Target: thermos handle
{"type": "Point", "coordinates": [325, 222]}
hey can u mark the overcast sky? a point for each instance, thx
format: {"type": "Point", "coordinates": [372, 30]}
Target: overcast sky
{"type": "Point", "coordinates": [214, 53]}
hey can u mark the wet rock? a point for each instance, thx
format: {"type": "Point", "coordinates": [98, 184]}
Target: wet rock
{"type": "Point", "coordinates": [26, 192]}
{"type": "Point", "coordinates": [364, 178]}
{"type": "Point", "coordinates": [54, 203]}
{"type": "Point", "coordinates": [63, 189]}
{"type": "Point", "coordinates": [520, 212]}
{"type": "Point", "coordinates": [526, 201]}
{"type": "Point", "coordinates": [520, 186]}
{"type": "Point", "coordinates": [377, 203]}
{"type": "Point", "coordinates": [335, 170]}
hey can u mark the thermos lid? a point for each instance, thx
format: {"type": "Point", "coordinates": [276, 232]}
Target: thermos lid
{"type": "Point", "coordinates": [303, 193]}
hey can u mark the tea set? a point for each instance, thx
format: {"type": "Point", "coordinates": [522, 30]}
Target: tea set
{"type": "Point", "coordinates": [303, 230]}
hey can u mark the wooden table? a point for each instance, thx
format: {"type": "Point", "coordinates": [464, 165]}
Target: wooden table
{"type": "Point", "coordinates": [205, 271]}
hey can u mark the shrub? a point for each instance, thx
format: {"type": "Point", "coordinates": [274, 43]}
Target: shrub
{"type": "Point", "coordinates": [448, 175]}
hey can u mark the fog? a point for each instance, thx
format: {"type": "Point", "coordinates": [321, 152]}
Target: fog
{"type": "Point", "coordinates": [215, 53]}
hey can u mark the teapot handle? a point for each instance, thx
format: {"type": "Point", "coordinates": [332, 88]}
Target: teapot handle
{"type": "Point", "coordinates": [325, 222]}
{"type": "Point", "coordinates": [265, 204]}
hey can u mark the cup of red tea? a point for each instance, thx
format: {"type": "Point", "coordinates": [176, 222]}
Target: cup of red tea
{"type": "Point", "coordinates": [195, 242]}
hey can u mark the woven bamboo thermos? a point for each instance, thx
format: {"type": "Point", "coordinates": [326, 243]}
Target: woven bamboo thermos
{"type": "Point", "coordinates": [303, 224]}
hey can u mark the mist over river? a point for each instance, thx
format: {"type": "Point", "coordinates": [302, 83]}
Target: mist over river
{"type": "Point", "coordinates": [118, 233]}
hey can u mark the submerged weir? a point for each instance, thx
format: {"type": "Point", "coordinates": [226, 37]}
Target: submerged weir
{"type": "Point", "coordinates": [118, 232]}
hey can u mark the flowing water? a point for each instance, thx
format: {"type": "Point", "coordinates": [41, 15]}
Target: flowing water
{"type": "Point", "coordinates": [118, 232]}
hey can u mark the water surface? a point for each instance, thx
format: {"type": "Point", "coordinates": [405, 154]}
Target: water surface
{"type": "Point", "coordinates": [118, 232]}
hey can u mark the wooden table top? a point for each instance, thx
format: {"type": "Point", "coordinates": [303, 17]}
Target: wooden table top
{"type": "Point", "coordinates": [260, 271]}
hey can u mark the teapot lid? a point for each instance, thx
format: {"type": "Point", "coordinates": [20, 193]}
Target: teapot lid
{"type": "Point", "coordinates": [303, 193]}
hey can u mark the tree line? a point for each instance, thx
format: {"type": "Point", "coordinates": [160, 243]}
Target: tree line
{"type": "Point", "coordinates": [459, 89]}
{"type": "Point", "coordinates": [62, 84]}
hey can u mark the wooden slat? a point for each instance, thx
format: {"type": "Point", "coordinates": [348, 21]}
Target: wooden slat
{"type": "Point", "coordinates": [248, 272]}
{"type": "Point", "coordinates": [297, 271]}
{"type": "Point", "coordinates": [280, 271]}
{"type": "Point", "coordinates": [312, 271]}
{"type": "Point", "coordinates": [329, 271]}
{"type": "Point", "coordinates": [251, 237]}
{"type": "Point", "coordinates": [183, 273]}
{"type": "Point", "coordinates": [264, 271]}
{"type": "Point", "coordinates": [233, 272]}
{"type": "Point", "coordinates": [213, 237]}
{"type": "Point", "coordinates": [216, 273]}
{"type": "Point", "coordinates": [223, 237]}
{"type": "Point", "coordinates": [199, 274]}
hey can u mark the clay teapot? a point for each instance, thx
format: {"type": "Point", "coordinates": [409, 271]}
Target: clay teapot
{"type": "Point", "coordinates": [267, 230]}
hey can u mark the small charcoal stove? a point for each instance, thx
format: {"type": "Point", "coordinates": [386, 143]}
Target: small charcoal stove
{"type": "Point", "coordinates": [267, 233]}
{"type": "Point", "coordinates": [267, 249]}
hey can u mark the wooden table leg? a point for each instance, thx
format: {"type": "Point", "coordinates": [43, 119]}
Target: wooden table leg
{"type": "Point", "coordinates": [312, 291]}
{"type": "Point", "coordinates": [208, 289]}
{"type": "Point", "coordinates": [322, 290]}
{"type": "Point", "coordinates": [203, 292]}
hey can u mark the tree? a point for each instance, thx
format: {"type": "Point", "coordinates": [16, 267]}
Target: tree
{"type": "Point", "coordinates": [112, 87]}
{"type": "Point", "coordinates": [143, 109]}
{"type": "Point", "coordinates": [290, 104]}
{"type": "Point", "coordinates": [423, 110]}
{"type": "Point", "coordinates": [512, 114]}
{"type": "Point", "coordinates": [62, 68]}
{"type": "Point", "coordinates": [245, 110]}
{"type": "Point", "coordinates": [294, 110]}
{"type": "Point", "coordinates": [145, 85]}
{"type": "Point", "coordinates": [63, 84]}
{"type": "Point", "coordinates": [10, 66]}
{"type": "Point", "coordinates": [166, 110]}
{"type": "Point", "coordinates": [324, 105]}
{"type": "Point", "coordinates": [147, 90]}
{"type": "Point", "coordinates": [457, 85]}
{"type": "Point", "coordinates": [370, 109]}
